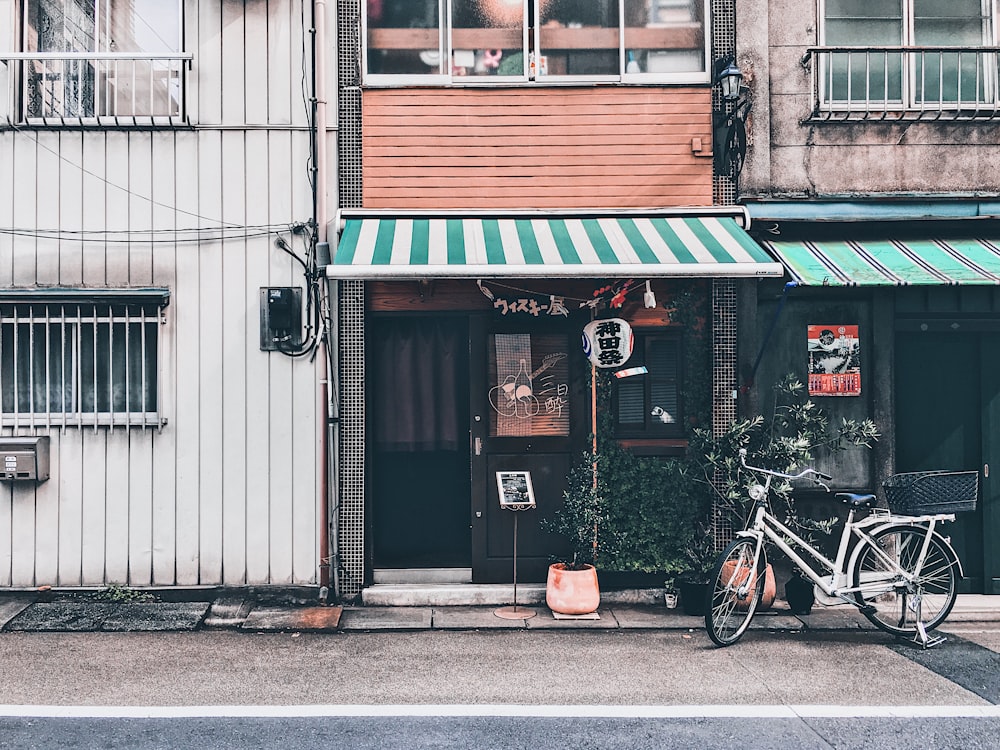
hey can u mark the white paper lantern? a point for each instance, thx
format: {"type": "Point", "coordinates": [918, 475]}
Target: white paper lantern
{"type": "Point", "coordinates": [608, 343]}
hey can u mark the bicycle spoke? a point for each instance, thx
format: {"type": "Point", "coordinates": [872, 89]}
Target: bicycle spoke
{"type": "Point", "coordinates": [898, 598]}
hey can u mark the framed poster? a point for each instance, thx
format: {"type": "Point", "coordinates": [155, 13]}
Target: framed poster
{"type": "Point", "coordinates": [834, 360]}
{"type": "Point", "coordinates": [515, 489]}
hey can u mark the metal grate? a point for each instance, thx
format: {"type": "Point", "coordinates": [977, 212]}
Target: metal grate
{"type": "Point", "coordinates": [352, 446]}
{"type": "Point", "coordinates": [351, 558]}
{"type": "Point", "coordinates": [83, 364]}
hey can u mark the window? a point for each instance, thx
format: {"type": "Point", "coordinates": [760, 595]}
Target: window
{"type": "Point", "coordinates": [504, 41]}
{"type": "Point", "coordinates": [76, 364]}
{"type": "Point", "coordinates": [909, 53]}
{"type": "Point", "coordinates": [98, 59]}
{"type": "Point", "coordinates": [649, 405]}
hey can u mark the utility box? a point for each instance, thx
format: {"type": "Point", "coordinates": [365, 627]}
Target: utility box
{"type": "Point", "coordinates": [280, 318]}
{"type": "Point", "coordinates": [24, 459]}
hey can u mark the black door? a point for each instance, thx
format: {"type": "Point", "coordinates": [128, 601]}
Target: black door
{"type": "Point", "coordinates": [529, 412]}
{"type": "Point", "coordinates": [418, 371]}
{"type": "Point", "coordinates": [948, 417]}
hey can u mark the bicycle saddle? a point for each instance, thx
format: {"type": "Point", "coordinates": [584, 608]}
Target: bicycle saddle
{"type": "Point", "coordinates": [856, 500]}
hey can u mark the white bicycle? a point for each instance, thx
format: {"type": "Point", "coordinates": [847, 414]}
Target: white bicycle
{"type": "Point", "coordinates": [893, 565]}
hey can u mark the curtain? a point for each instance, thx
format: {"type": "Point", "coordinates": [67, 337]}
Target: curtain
{"type": "Point", "coordinates": [418, 385]}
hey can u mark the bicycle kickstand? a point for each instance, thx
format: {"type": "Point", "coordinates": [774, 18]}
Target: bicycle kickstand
{"type": "Point", "coordinates": [922, 638]}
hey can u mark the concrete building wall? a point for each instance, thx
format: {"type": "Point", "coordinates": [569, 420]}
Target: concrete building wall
{"type": "Point", "coordinates": [790, 156]}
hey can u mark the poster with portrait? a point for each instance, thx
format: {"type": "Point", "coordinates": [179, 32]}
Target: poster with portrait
{"type": "Point", "coordinates": [834, 360]}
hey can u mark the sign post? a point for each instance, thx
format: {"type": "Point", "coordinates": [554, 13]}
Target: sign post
{"type": "Point", "coordinates": [516, 494]}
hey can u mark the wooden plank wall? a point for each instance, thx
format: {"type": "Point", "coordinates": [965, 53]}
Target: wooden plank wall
{"type": "Point", "coordinates": [523, 147]}
{"type": "Point", "coordinates": [226, 492]}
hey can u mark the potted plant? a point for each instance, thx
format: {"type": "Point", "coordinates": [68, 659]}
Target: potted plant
{"type": "Point", "coordinates": [785, 440]}
{"type": "Point", "coordinates": [571, 587]}
{"type": "Point", "coordinates": [693, 581]}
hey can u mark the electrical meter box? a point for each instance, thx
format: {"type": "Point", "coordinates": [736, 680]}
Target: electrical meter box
{"type": "Point", "coordinates": [24, 459]}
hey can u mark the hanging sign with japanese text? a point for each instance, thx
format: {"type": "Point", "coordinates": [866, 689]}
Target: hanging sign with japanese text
{"type": "Point", "coordinates": [608, 343]}
{"type": "Point", "coordinates": [834, 360]}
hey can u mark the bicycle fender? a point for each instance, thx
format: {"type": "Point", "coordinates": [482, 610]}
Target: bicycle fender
{"type": "Point", "coordinates": [857, 549]}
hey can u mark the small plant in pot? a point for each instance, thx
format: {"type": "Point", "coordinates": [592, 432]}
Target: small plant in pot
{"type": "Point", "coordinates": [571, 587]}
{"type": "Point", "coordinates": [692, 583]}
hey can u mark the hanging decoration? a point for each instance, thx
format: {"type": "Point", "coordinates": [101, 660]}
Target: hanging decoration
{"type": "Point", "coordinates": [608, 343]}
{"type": "Point", "coordinates": [611, 295]}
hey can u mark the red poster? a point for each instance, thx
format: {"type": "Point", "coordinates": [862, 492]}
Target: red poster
{"type": "Point", "coordinates": [834, 361]}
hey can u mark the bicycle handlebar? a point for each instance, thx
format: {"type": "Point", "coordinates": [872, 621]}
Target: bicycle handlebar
{"type": "Point", "coordinates": [816, 476]}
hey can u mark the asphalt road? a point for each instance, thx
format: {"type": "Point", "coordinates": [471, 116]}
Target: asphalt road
{"type": "Point", "coordinates": [503, 689]}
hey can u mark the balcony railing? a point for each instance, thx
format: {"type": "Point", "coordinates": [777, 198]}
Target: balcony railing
{"type": "Point", "coordinates": [64, 88]}
{"type": "Point", "coordinates": [903, 83]}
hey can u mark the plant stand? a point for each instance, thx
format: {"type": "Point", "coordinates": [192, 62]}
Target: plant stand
{"type": "Point", "coordinates": [515, 612]}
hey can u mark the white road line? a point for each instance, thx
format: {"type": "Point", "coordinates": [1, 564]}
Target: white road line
{"type": "Point", "coordinates": [524, 711]}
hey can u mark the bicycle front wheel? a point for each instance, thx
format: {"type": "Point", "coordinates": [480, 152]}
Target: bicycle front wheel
{"type": "Point", "coordinates": [891, 601]}
{"type": "Point", "coordinates": [736, 587]}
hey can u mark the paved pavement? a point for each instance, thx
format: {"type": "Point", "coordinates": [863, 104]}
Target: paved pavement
{"type": "Point", "coordinates": [252, 611]}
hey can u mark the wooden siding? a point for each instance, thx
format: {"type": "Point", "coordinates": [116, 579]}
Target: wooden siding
{"type": "Point", "coordinates": [226, 492]}
{"type": "Point", "coordinates": [599, 147]}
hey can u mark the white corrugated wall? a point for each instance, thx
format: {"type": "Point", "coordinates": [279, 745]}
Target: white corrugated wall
{"type": "Point", "coordinates": [226, 492]}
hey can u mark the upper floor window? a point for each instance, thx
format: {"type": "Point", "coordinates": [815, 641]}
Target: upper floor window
{"type": "Point", "coordinates": [544, 41]}
{"type": "Point", "coordinates": [932, 56]}
{"type": "Point", "coordinates": [101, 60]}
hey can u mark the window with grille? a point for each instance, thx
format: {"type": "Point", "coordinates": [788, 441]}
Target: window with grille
{"type": "Point", "coordinates": [535, 41]}
{"type": "Point", "coordinates": [102, 60]}
{"type": "Point", "coordinates": [80, 363]}
{"type": "Point", "coordinates": [649, 405]}
{"type": "Point", "coordinates": [911, 54]}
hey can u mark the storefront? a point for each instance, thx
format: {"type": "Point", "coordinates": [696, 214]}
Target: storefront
{"type": "Point", "coordinates": [925, 299]}
{"type": "Point", "coordinates": [474, 364]}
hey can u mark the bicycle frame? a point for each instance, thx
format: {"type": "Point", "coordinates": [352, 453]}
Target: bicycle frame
{"type": "Point", "coordinates": [833, 582]}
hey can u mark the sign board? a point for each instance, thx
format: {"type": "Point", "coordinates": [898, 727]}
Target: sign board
{"type": "Point", "coordinates": [834, 360]}
{"type": "Point", "coordinates": [515, 490]}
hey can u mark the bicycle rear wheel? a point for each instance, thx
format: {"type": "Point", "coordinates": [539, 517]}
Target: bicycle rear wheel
{"type": "Point", "coordinates": [736, 587]}
{"type": "Point", "coordinates": [894, 604]}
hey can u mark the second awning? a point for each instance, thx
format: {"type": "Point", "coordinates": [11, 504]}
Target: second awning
{"type": "Point", "coordinates": [890, 262]}
{"type": "Point", "coordinates": [408, 244]}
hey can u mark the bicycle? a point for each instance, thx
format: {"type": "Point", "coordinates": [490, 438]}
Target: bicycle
{"type": "Point", "coordinates": [900, 572]}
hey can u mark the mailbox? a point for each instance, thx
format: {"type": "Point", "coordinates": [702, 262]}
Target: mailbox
{"type": "Point", "coordinates": [24, 458]}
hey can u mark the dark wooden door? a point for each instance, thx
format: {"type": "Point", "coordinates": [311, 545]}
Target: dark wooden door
{"type": "Point", "coordinates": [529, 412]}
{"type": "Point", "coordinates": [948, 417]}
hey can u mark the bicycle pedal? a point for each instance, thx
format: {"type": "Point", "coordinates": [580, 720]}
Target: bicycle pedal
{"type": "Point", "coordinates": [866, 609]}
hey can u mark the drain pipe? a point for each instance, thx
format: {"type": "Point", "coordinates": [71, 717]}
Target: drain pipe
{"type": "Point", "coordinates": [324, 374]}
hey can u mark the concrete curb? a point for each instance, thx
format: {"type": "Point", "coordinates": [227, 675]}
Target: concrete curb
{"type": "Point", "coordinates": [240, 611]}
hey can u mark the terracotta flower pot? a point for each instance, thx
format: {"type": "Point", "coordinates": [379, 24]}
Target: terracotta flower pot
{"type": "Point", "coordinates": [572, 592]}
{"type": "Point", "coordinates": [770, 585]}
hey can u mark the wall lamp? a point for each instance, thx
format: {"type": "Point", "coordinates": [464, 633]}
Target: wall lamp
{"type": "Point", "coordinates": [730, 123]}
{"type": "Point", "coordinates": [729, 78]}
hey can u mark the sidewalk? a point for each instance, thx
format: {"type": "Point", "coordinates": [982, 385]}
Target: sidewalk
{"type": "Point", "coordinates": [239, 610]}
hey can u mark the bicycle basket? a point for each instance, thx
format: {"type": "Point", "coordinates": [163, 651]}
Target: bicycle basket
{"type": "Point", "coordinates": [918, 492]}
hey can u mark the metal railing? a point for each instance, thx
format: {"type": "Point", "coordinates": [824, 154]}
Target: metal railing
{"type": "Point", "coordinates": [903, 83]}
{"type": "Point", "coordinates": [79, 365]}
{"type": "Point", "coordinates": [60, 88]}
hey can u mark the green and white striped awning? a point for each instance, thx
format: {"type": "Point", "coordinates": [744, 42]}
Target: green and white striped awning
{"type": "Point", "coordinates": [889, 262]}
{"type": "Point", "coordinates": [401, 245]}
